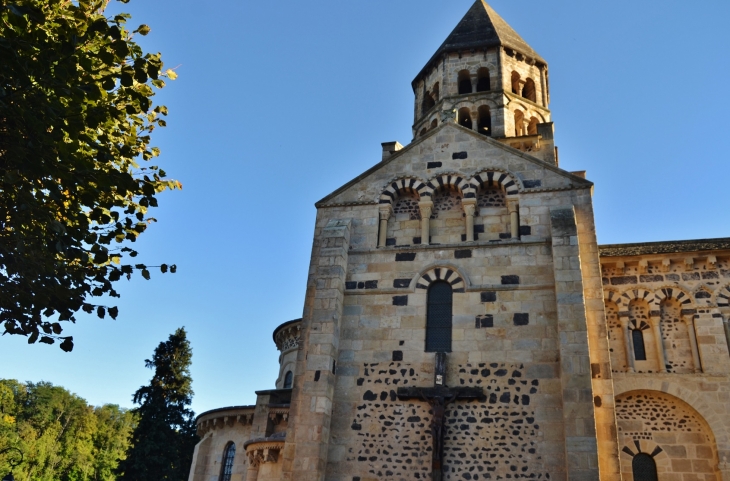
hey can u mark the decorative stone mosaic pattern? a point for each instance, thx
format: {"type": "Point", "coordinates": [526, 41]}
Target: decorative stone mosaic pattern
{"type": "Point", "coordinates": [676, 338]}
{"type": "Point", "coordinates": [669, 430]}
{"type": "Point", "coordinates": [407, 204]}
{"type": "Point", "coordinates": [491, 197]}
{"type": "Point", "coordinates": [446, 200]}
{"type": "Point", "coordinates": [616, 339]}
{"type": "Point", "coordinates": [495, 439]}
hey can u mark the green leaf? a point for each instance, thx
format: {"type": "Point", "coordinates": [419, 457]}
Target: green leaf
{"type": "Point", "coordinates": [114, 312]}
{"type": "Point", "coordinates": [163, 268]}
{"type": "Point", "coordinates": [56, 328]}
{"type": "Point", "coordinates": [170, 74]}
{"type": "Point", "coordinates": [101, 312]}
{"type": "Point", "coordinates": [173, 269]}
{"type": "Point", "coordinates": [146, 274]}
{"type": "Point", "coordinates": [33, 338]}
{"type": "Point", "coordinates": [47, 340]}
{"type": "Point", "coordinates": [143, 29]}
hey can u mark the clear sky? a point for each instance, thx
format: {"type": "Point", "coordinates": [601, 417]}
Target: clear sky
{"type": "Point", "coordinates": [279, 103]}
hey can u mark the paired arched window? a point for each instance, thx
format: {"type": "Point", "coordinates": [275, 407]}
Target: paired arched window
{"type": "Point", "coordinates": [637, 337]}
{"type": "Point", "coordinates": [528, 91]}
{"type": "Point", "coordinates": [483, 84]}
{"type": "Point", "coordinates": [644, 468]}
{"type": "Point", "coordinates": [516, 83]}
{"type": "Point", "coordinates": [227, 463]}
{"type": "Point", "coordinates": [519, 123]}
{"type": "Point", "coordinates": [288, 380]}
{"type": "Point", "coordinates": [485, 121]}
{"type": "Point", "coordinates": [465, 117]}
{"type": "Point", "coordinates": [532, 126]}
{"type": "Point", "coordinates": [464, 82]}
{"type": "Point", "coordinates": [438, 317]}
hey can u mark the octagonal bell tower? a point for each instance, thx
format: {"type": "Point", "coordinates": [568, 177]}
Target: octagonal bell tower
{"type": "Point", "coordinates": [486, 78]}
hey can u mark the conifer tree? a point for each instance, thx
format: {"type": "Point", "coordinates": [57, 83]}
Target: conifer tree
{"type": "Point", "coordinates": [164, 438]}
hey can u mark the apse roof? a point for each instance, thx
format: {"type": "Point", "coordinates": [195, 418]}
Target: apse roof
{"type": "Point", "coordinates": [482, 27]}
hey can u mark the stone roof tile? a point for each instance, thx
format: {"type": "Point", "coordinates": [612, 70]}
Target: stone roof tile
{"type": "Point", "coordinates": [482, 27]}
{"type": "Point", "coordinates": [667, 247]}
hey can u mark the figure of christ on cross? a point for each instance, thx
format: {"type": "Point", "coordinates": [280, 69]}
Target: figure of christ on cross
{"type": "Point", "coordinates": [439, 397]}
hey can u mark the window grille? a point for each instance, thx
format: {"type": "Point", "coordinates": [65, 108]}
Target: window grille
{"type": "Point", "coordinates": [639, 350]}
{"type": "Point", "coordinates": [227, 465]}
{"type": "Point", "coordinates": [644, 468]}
{"type": "Point", "coordinates": [438, 317]}
{"type": "Point", "coordinates": [288, 380]}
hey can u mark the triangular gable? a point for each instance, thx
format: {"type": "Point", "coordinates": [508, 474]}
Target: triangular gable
{"type": "Point", "coordinates": [443, 145]}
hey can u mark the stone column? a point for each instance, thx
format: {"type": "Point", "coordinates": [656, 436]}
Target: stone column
{"type": "Point", "coordinates": [310, 412]}
{"type": "Point", "coordinates": [628, 344]}
{"type": "Point", "coordinates": [475, 121]}
{"type": "Point", "coordinates": [657, 329]}
{"type": "Point", "coordinates": [579, 415]}
{"type": "Point", "coordinates": [689, 320]}
{"type": "Point", "coordinates": [426, 207]}
{"type": "Point", "coordinates": [514, 218]}
{"type": "Point", "coordinates": [469, 208]}
{"type": "Point", "coordinates": [385, 213]}
{"type": "Point", "coordinates": [711, 341]}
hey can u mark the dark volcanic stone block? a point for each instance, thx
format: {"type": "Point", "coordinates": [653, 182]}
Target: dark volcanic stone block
{"type": "Point", "coordinates": [521, 319]}
{"type": "Point", "coordinates": [350, 285]}
{"type": "Point", "coordinates": [405, 257]}
{"type": "Point", "coordinates": [397, 355]}
{"type": "Point", "coordinates": [618, 281]}
{"type": "Point", "coordinates": [531, 184]}
{"type": "Point", "coordinates": [433, 165]}
{"type": "Point", "coordinates": [489, 296]}
{"type": "Point", "coordinates": [400, 300]}
{"type": "Point", "coordinates": [525, 230]}
{"type": "Point", "coordinates": [462, 254]}
{"type": "Point", "coordinates": [651, 278]}
{"type": "Point", "coordinates": [399, 283]}
{"type": "Point", "coordinates": [510, 280]}
{"type": "Point", "coordinates": [459, 155]}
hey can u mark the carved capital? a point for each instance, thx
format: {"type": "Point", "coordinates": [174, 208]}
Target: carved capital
{"type": "Point", "coordinates": [385, 212]}
{"type": "Point", "coordinates": [469, 206]}
{"type": "Point", "coordinates": [426, 207]}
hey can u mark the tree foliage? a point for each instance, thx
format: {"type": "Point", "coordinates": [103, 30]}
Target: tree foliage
{"type": "Point", "coordinates": [165, 436]}
{"type": "Point", "coordinates": [76, 115]}
{"type": "Point", "coordinates": [61, 436]}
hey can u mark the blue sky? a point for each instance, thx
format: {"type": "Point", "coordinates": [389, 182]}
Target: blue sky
{"type": "Point", "coordinates": [279, 103]}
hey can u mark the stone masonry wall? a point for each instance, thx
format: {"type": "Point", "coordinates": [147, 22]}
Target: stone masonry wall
{"type": "Point", "coordinates": [681, 292]}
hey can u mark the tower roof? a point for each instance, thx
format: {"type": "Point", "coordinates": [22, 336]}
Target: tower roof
{"type": "Point", "coordinates": [482, 27]}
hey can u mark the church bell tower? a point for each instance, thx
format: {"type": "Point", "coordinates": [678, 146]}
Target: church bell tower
{"type": "Point", "coordinates": [486, 78]}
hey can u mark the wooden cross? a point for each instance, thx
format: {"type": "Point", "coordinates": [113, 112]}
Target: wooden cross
{"type": "Point", "coordinates": [439, 396]}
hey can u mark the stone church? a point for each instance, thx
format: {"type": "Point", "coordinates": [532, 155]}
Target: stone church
{"type": "Point", "coordinates": [461, 321]}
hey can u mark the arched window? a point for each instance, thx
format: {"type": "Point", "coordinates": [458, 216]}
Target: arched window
{"type": "Point", "coordinates": [485, 121]}
{"type": "Point", "coordinates": [519, 123]}
{"type": "Point", "coordinates": [639, 350]}
{"type": "Point", "coordinates": [428, 102]}
{"type": "Point", "coordinates": [528, 91]}
{"type": "Point", "coordinates": [424, 131]}
{"type": "Point", "coordinates": [227, 463]}
{"type": "Point", "coordinates": [288, 380]}
{"type": "Point", "coordinates": [464, 82]}
{"type": "Point", "coordinates": [465, 117]}
{"type": "Point", "coordinates": [436, 92]}
{"type": "Point", "coordinates": [483, 80]}
{"type": "Point", "coordinates": [644, 468]}
{"type": "Point", "coordinates": [434, 124]}
{"type": "Point", "coordinates": [438, 317]}
{"type": "Point", "coordinates": [532, 126]}
{"type": "Point", "coordinates": [516, 83]}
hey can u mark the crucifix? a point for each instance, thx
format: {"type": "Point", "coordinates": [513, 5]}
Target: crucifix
{"type": "Point", "coordinates": [439, 397]}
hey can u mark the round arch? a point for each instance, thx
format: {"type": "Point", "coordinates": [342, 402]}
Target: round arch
{"type": "Point", "coordinates": [411, 185]}
{"type": "Point", "coordinates": [667, 428]}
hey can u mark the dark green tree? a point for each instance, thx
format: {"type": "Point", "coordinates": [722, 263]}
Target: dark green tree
{"type": "Point", "coordinates": [165, 436]}
{"type": "Point", "coordinates": [76, 115]}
